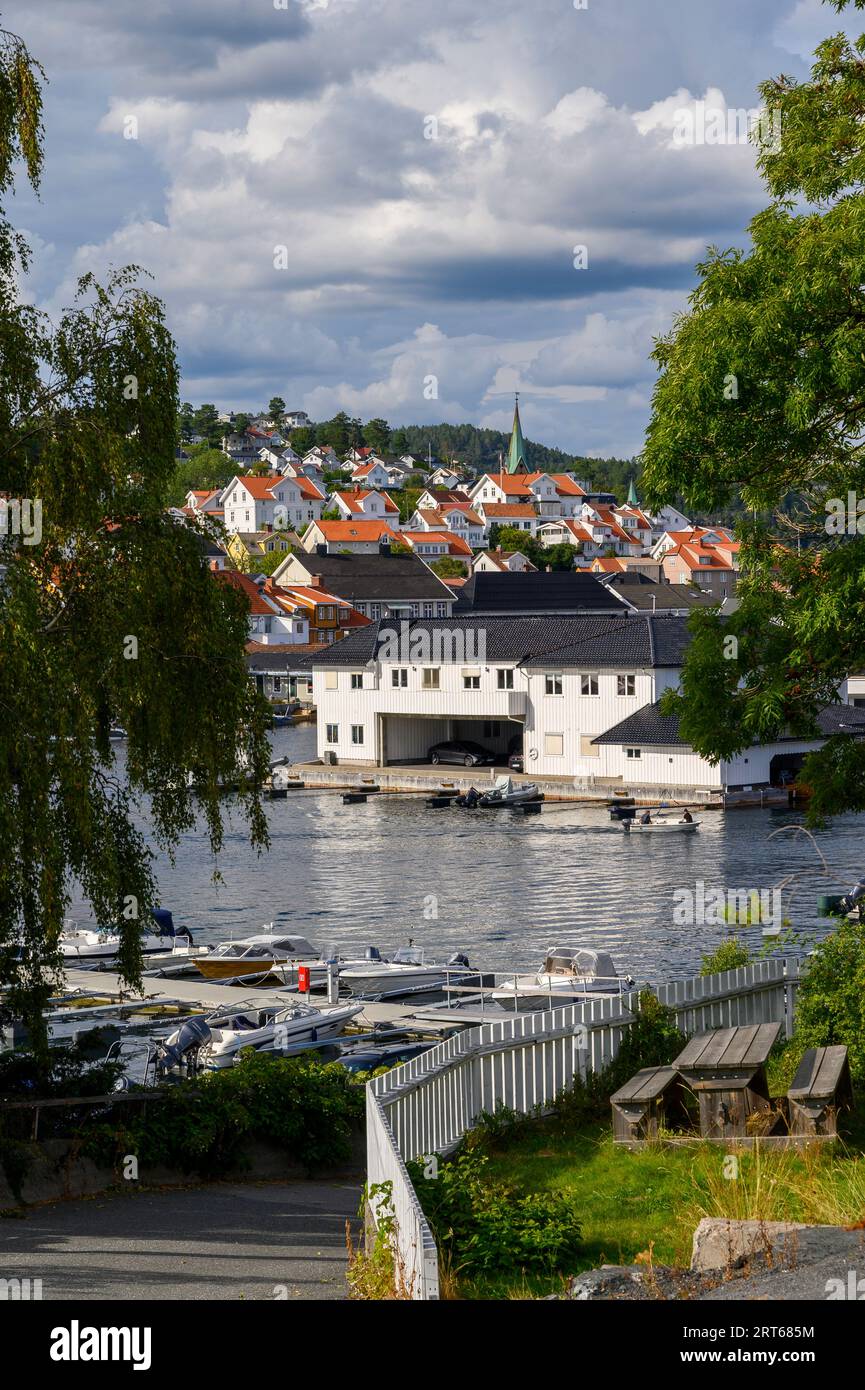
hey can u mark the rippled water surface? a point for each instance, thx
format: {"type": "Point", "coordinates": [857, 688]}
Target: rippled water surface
{"type": "Point", "coordinates": [501, 887]}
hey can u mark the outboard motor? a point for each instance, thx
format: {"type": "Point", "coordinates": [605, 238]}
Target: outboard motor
{"type": "Point", "coordinates": [178, 1047]}
{"type": "Point", "coordinates": [459, 959]}
{"type": "Point", "coordinates": [854, 898]}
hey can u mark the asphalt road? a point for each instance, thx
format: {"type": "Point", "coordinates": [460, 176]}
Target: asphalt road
{"type": "Point", "coordinates": [252, 1241]}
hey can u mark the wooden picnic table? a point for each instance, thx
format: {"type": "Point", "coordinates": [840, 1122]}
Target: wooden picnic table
{"type": "Point", "coordinates": [726, 1070]}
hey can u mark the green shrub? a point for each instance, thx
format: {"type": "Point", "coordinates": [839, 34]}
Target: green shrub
{"type": "Point", "coordinates": [730, 955]}
{"type": "Point", "coordinates": [483, 1227]}
{"type": "Point", "coordinates": [830, 1007]}
{"type": "Point", "coordinates": [307, 1108]}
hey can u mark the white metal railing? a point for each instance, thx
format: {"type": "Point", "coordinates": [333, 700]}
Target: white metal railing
{"type": "Point", "coordinates": [524, 1062]}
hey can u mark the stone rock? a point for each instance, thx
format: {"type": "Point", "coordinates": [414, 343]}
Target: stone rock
{"type": "Point", "coordinates": [720, 1243]}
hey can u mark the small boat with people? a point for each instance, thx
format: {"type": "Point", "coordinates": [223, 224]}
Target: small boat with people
{"type": "Point", "coordinates": [661, 823]}
{"type": "Point", "coordinates": [568, 974]}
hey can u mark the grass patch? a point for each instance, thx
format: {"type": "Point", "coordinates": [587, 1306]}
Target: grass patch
{"type": "Point", "coordinates": [642, 1207]}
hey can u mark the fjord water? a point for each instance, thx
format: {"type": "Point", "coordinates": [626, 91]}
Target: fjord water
{"type": "Point", "coordinates": [497, 885]}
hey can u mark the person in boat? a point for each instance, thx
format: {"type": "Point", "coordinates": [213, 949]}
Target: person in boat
{"type": "Point", "coordinates": [645, 818]}
{"type": "Point", "coordinates": [687, 817]}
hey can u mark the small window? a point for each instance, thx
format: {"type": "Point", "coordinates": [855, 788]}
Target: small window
{"type": "Point", "coordinates": [357, 680]}
{"type": "Point", "coordinates": [588, 685]}
{"type": "Point", "coordinates": [431, 678]}
{"type": "Point", "coordinates": [357, 733]}
{"type": "Point", "coordinates": [427, 610]}
{"type": "Point", "coordinates": [441, 610]}
{"type": "Point", "coordinates": [505, 678]}
{"type": "Point", "coordinates": [633, 754]}
{"type": "Point", "coordinates": [626, 685]}
{"type": "Point", "coordinates": [554, 745]}
{"type": "Point", "coordinates": [375, 611]}
{"type": "Point", "coordinates": [331, 680]}
{"type": "Point", "coordinates": [471, 682]}
{"type": "Point", "coordinates": [399, 677]}
{"type": "Point", "coordinates": [553, 684]}
{"type": "Point", "coordinates": [331, 733]}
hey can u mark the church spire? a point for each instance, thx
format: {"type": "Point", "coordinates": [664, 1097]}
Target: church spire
{"type": "Point", "coordinates": [633, 499]}
{"type": "Point", "coordinates": [517, 458]}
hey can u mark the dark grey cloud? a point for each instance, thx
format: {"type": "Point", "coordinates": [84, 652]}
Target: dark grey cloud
{"type": "Point", "coordinates": [304, 126]}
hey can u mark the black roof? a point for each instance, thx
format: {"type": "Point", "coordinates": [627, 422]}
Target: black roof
{"type": "Point", "coordinates": [639, 591]}
{"type": "Point", "coordinates": [361, 578]}
{"type": "Point", "coordinates": [648, 726]}
{"type": "Point", "coordinates": [629, 640]}
{"type": "Point", "coordinates": [562, 591]}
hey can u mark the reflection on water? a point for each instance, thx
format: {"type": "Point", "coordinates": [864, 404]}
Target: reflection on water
{"type": "Point", "coordinates": [500, 886]}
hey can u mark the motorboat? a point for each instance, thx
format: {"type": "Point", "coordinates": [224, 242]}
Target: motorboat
{"type": "Point", "coordinates": [92, 944]}
{"type": "Point", "coordinates": [407, 972]}
{"type": "Point", "coordinates": [660, 825]}
{"type": "Point", "coordinates": [568, 975]}
{"type": "Point", "coordinates": [506, 792]}
{"type": "Point", "coordinates": [262, 954]}
{"type": "Point", "coordinates": [275, 1027]}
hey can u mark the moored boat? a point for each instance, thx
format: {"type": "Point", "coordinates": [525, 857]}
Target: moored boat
{"type": "Point", "coordinates": [568, 974]}
{"type": "Point", "coordinates": [407, 972]}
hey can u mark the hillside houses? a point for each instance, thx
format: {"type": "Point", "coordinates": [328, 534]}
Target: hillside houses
{"type": "Point", "coordinates": [365, 504]}
{"type": "Point", "coordinates": [270, 503]}
{"type": "Point", "coordinates": [352, 537]}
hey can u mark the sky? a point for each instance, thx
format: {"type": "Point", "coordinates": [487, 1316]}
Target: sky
{"type": "Point", "coordinates": [377, 205]}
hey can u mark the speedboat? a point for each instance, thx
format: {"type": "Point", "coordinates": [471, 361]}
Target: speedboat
{"type": "Point", "coordinates": [89, 944]}
{"type": "Point", "coordinates": [271, 1028]}
{"type": "Point", "coordinates": [661, 825]}
{"type": "Point", "coordinates": [568, 975]}
{"type": "Point", "coordinates": [408, 972]}
{"type": "Point", "coordinates": [263, 954]}
{"type": "Point", "coordinates": [505, 792]}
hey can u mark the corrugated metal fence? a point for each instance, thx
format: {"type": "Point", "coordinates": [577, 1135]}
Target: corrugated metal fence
{"type": "Point", "coordinates": [427, 1105]}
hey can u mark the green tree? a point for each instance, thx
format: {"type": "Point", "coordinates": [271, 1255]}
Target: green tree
{"type": "Point", "coordinates": [448, 567]}
{"type": "Point", "coordinates": [335, 432]}
{"type": "Point", "coordinates": [205, 468]}
{"type": "Point", "coordinates": [761, 398]}
{"type": "Point", "coordinates": [206, 422]}
{"type": "Point", "coordinates": [376, 433]}
{"type": "Point", "coordinates": [303, 438]}
{"type": "Point", "coordinates": [107, 610]}
{"type": "Point", "coordinates": [276, 410]}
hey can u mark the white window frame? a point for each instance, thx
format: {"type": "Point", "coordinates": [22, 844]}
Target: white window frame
{"type": "Point", "coordinates": [552, 680]}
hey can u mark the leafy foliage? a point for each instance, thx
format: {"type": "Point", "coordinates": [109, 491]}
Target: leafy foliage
{"type": "Point", "coordinates": [309, 1109]}
{"type": "Point", "coordinates": [106, 610]}
{"type": "Point", "coordinates": [761, 398]}
{"type": "Point", "coordinates": [730, 955]}
{"type": "Point", "coordinates": [483, 1226]}
{"type": "Point", "coordinates": [830, 1007]}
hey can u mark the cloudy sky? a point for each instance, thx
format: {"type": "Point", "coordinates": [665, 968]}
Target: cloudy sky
{"type": "Point", "coordinates": [428, 167]}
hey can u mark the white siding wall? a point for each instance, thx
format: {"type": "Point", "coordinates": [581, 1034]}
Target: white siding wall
{"type": "Point", "coordinates": [575, 716]}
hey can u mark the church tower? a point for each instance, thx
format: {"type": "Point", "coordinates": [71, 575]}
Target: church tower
{"type": "Point", "coordinates": [517, 457]}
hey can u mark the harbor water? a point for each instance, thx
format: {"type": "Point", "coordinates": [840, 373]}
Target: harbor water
{"type": "Point", "coordinates": [497, 885]}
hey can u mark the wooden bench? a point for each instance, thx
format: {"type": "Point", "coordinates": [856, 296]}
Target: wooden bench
{"type": "Point", "coordinates": [821, 1087]}
{"type": "Point", "coordinates": [651, 1100]}
{"type": "Point", "coordinates": [726, 1070]}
